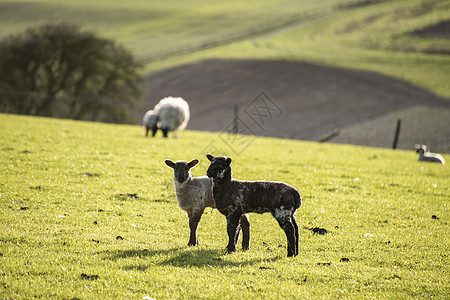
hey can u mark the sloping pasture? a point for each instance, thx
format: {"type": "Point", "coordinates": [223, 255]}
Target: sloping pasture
{"type": "Point", "coordinates": [152, 29]}
{"type": "Point", "coordinates": [89, 211]}
{"type": "Point", "coordinates": [376, 36]}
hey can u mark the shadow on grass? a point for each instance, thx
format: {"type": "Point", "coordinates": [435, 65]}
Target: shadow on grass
{"type": "Point", "coordinates": [184, 257]}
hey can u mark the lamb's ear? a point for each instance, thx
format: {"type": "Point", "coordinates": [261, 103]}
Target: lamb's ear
{"type": "Point", "coordinates": [170, 163]}
{"type": "Point", "coordinates": [228, 161]}
{"type": "Point", "coordinates": [193, 163]}
{"type": "Point", "coordinates": [210, 157]}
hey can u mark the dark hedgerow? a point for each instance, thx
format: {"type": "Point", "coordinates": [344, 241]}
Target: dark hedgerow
{"type": "Point", "coordinates": [60, 70]}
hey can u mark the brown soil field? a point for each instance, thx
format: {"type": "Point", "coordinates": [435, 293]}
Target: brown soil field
{"type": "Point", "coordinates": [303, 101]}
{"type": "Point", "coordinates": [440, 30]}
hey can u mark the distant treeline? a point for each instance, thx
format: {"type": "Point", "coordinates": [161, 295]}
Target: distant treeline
{"type": "Point", "coordinates": [58, 70]}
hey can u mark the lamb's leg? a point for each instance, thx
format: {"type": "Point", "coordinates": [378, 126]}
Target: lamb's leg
{"type": "Point", "coordinates": [289, 230]}
{"type": "Point", "coordinates": [232, 226]}
{"type": "Point", "coordinates": [296, 235]}
{"type": "Point", "coordinates": [154, 130]}
{"type": "Point", "coordinates": [146, 130]}
{"type": "Point", "coordinates": [245, 226]}
{"type": "Point", "coordinates": [165, 132]}
{"type": "Point", "coordinates": [194, 219]}
{"type": "Point", "coordinates": [238, 231]}
{"type": "Point", "coordinates": [290, 235]}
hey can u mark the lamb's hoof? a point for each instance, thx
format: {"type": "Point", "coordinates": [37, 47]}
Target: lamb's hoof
{"type": "Point", "coordinates": [190, 244]}
{"type": "Point", "coordinates": [245, 248]}
{"type": "Point", "coordinates": [229, 251]}
{"type": "Point", "coordinates": [291, 254]}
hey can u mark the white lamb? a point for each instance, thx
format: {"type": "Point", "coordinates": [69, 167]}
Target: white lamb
{"type": "Point", "coordinates": [194, 194]}
{"type": "Point", "coordinates": [426, 155]}
{"type": "Point", "coordinates": [170, 114]}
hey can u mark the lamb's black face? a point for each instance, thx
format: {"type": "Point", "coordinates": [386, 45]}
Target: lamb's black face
{"type": "Point", "coordinates": [181, 169]}
{"type": "Point", "coordinates": [218, 166]}
{"type": "Point", "coordinates": [420, 148]}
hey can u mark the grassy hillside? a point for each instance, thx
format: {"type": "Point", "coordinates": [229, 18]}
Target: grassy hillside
{"type": "Point", "coordinates": [376, 38]}
{"type": "Point", "coordinates": [88, 211]}
{"type": "Point", "coordinates": [368, 35]}
{"type": "Point", "coordinates": [154, 28]}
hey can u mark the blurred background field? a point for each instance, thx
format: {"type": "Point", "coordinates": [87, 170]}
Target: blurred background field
{"type": "Point", "coordinates": [406, 41]}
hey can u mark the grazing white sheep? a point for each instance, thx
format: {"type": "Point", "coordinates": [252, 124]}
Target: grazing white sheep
{"type": "Point", "coordinates": [194, 194]}
{"type": "Point", "coordinates": [426, 155]}
{"type": "Point", "coordinates": [150, 121]}
{"type": "Point", "coordinates": [170, 114]}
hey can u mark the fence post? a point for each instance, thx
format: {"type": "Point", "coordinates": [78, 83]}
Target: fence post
{"type": "Point", "coordinates": [397, 133]}
{"type": "Point", "coordinates": [236, 119]}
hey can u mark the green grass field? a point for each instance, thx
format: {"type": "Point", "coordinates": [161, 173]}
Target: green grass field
{"type": "Point", "coordinates": [373, 36]}
{"type": "Point", "coordinates": [88, 210]}
{"type": "Point", "coordinates": [153, 28]}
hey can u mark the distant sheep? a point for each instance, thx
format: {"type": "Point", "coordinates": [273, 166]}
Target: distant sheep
{"type": "Point", "coordinates": [194, 194]}
{"type": "Point", "coordinates": [425, 155]}
{"type": "Point", "coordinates": [170, 114]}
{"type": "Point", "coordinates": [150, 121]}
{"type": "Point", "coordinates": [235, 197]}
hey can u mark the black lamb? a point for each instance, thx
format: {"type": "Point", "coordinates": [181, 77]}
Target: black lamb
{"type": "Point", "coordinates": [234, 198]}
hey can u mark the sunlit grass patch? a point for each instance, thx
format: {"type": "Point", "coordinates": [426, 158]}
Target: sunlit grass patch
{"type": "Point", "coordinates": [89, 210]}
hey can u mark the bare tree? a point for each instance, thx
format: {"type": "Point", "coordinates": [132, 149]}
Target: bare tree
{"type": "Point", "coordinates": [59, 70]}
